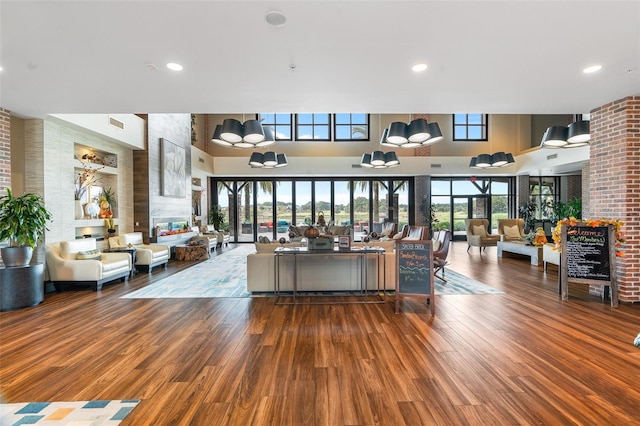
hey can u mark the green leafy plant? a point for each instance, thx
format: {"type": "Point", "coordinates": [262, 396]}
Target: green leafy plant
{"type": "Point", "coordinates": [561, 210]}
{"type": "Point", "coordinates": [216, 217]}
{"type": "Point", "coordinates": [23, 219]}
{"type": "Point", "coordinates": [528, 213]}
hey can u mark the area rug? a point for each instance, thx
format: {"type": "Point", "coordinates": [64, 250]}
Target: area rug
{"type": "Point", "coordinates": [225, 275]}
{"type": "Point", "coordinates": [77, 413]}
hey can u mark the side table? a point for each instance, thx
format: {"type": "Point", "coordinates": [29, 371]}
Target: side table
{"type": "Point", "coordinates": [132, 253]}
{"type": "Point", "coordinates": [21, 286]}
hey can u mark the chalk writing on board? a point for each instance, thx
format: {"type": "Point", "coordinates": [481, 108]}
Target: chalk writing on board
{"type": "Point", "coordinates": [588, 253]}
{"type": "Point", "coordinates": [414, 268]}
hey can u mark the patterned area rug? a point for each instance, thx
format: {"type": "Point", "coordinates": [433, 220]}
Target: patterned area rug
{"type": "Point", "coordinates": [225, 275]}
{"type": "Point", "coordinates": [76, 413]}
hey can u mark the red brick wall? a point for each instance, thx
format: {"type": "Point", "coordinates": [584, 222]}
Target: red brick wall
{"type": "Point", "coordinates": [614, 182]}
{"type": "Point", "coordinates": [422, 151]}
{"type": "Point", "coordinates": [5, 150]}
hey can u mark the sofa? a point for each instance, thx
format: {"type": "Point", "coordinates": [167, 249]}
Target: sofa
{"type": "Point", "coordinates": [317, 272]}
{"type": "Point", "coordinates": [222, 237]}
{"type": "Point", "coordinates": [477, 234]}
{"type": "Point", "coordinates": [79, 262]}
{"type": "Point", "coordinates": [511, 229]}
{"type": "Point", "coordinates": [148, 256]}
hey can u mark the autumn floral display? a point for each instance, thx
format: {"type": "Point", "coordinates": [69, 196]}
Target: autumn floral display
{"type": "Point", "coordinates": [572, 221]}
{"type": "Point", "coordinates": [85, 179]}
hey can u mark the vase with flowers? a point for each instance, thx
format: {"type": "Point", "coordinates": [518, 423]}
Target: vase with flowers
{"type": "Point", "coordinates": [82, 182]}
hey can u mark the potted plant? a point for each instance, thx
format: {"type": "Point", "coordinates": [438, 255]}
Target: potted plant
{"type": "Point", "coordinates": [216, 217]}
{"type": "Point", "coordinates": [23, 221]}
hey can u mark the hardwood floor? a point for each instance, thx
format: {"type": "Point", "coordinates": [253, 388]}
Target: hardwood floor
{"type": "Point", "coordinates": [522, 357]}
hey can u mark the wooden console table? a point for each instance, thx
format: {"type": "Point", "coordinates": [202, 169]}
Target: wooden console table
{"type": "Point", "coordinates": [192, 253]}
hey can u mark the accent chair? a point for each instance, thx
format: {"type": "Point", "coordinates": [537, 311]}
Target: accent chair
{"type": "Point", "coordinates": [478, 234]}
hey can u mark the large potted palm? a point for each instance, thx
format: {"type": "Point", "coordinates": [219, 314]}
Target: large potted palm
{"type": "Point", "coordinates": [23, 221]}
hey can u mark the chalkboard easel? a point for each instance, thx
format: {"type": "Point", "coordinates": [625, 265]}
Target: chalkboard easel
{"type": "Point", "coordinates": [414, 271]}
{"type": "Point", "coordinates": [588, 256]}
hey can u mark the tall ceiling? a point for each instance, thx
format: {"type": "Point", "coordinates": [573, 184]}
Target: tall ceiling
{"type": "Point", "coordinates": [330, 56]}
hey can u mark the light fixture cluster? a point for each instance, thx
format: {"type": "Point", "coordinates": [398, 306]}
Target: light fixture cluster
{"type": "Point", "coordinates": [574, 135]}
{"type": "Point", "coordinates": [250, 134]}
{"type": "Point", "coordinates": [380, 160]}
{"type": "Point", "coordinates": [268, 160]}
{"type": "Point", "coordinates": [417, 133]}
{"type": "Point", "coordinates": [485, 161]}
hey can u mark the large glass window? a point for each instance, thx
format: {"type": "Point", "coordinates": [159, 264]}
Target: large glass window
{"type": "Point", "coordinates": [543, 193]}
{"type": "Point", "coordinates": [245, 209]}
{"type": "Point", "coordinates": [323, 200]}
{"type": "Point", "coordinates": [361, 206]}
{"type": "Point", "coordinates": [342, 203]}
{"type": "Point", "coordinates": [303, 203]}
{"type": "Point", "coordinates": [316, 127]}
{"type": "Point", "coordinates": [281, 124]}
{"type": "Point", "coordinates": [470, 127]}
{"type": "Point", "coordinates": [351, 127]}
{"type": "Point", "coordinates": [380, 204]}
{"type": "Point", "coordinates": [284, 208]}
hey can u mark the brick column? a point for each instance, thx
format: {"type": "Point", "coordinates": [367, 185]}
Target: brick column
{"type": "Point", "coordinates": [5, 150]}
{"type": "Point", "coordinates": [422, 151]}
{"type": "Point", "coordinates": [614, 182]}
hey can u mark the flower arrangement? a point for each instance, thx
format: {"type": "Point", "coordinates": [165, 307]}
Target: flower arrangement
{"type": "Point", "coordinates": [572, 221]}
{"type": "Point", "coordinates": [84, 180]}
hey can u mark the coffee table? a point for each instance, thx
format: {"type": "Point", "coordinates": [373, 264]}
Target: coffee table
{"type": "Point", "coordinates": [517, 247]}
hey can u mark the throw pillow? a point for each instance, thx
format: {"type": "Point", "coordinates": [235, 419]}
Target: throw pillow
{"type": "Point", "coordinates": [480, 231]}
{"type": "Point", "coordinates": [264, 240]}
{"type": "Point", "coordinates": [512, 231]}
{"type": "Point", "coordinates": [436, 245]}
{"type": "Point", "coordinates": [88, 255]}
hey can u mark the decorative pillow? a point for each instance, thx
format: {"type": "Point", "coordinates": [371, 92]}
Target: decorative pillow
{"type": "Point", "coordinates": [88, 255]}
{"type": "Point", "coordinates": [264, 240]}
{"type": "Point", "coordinates": [512, 231]}
{"type": "Point", "coordinates": [480, 231]}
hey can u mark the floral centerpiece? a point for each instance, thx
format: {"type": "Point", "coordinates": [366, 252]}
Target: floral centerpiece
{"type": "Point", "coordinates": [84, 180]}
{"type": "Point", "coordinates": [572, 221]}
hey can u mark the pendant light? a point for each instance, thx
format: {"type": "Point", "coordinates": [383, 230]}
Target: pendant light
{"type": "Point", "coordinates": [574, 135]}
{"type": "Point", "coordinates": [250, 134]}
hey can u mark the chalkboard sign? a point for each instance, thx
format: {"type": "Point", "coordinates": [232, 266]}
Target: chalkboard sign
{"type": "Point", "coordinates": [588, 256]}
{"type": "Point", "coordinates": [414, 270]}
{"type": "Point", "coordinates": [588, 253]}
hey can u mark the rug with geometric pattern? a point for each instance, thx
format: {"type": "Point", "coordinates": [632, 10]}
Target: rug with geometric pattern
{"type": "Point", "coordinates": [76, 413]}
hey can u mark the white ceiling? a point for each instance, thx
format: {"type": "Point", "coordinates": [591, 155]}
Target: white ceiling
{"type": "Point", "coordinates": [350, 56]}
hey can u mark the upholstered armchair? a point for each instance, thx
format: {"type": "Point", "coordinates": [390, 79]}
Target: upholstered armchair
{"type": "Point", "coordinates": [209, 240]}
{"type": "Point", "coordinates": [411, 232]}
{"type": "Point", "coordinates": [477, 234]}
{"type": "Point", "coordinates": [147, 255]}
{"type": "Point", "coordinates": [222, 237]}
{"type": "Point", "coordinates": [80, 262]}
{"type": "Point", "coordinates": [389, 229]}
{"type": "Point", "coordinates": [441, 241]}
{"type": "Point", "coordinates": [511, 229]}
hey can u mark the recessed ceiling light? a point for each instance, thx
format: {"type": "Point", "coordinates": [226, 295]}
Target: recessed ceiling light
{"type": "Point", "coordinates": [592, 68]}
{"type": "Point", "coordinates": [174, 67]}
{"type": "Point", "coordinates": [419, 67]}
{"type": "Point", "coordinates": [275, 18]}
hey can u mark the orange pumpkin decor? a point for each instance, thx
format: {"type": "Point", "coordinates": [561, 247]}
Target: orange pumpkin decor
{"type": "Point", "coordinates": [540, 238]}
{"type": "Point", "coordinates": [311, 232]}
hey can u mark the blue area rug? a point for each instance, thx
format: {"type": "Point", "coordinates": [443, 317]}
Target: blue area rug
{"type": "Point", "coordinates": [225, 275]}
{"type": "Point", "coordinates": [77, 413]}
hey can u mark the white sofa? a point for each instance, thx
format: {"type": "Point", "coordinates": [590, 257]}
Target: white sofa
{"type": "Point", "coordinates": [223, 237]}
{"type": "Point", "coordinates": [64, 267]}
{"type": "Point", "coordinates": [317, 272]}
{"type": "Point", "coordinates": [147, 255]}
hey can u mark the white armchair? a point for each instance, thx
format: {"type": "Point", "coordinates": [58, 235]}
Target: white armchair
{"type": "Point", "coordinates": [223, 237]}
{"type": "Point", "coordinates": [206, 239]}
{"type": "Point", "coordinates": [79, 262]}
{"type": "Point", "coordinates": [147, 255]}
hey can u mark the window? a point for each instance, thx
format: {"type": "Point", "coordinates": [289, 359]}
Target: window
{"type": "Point", "coordinates": [315, 127]}
{"type": "Point", "coordinates": [351, 127]}
{"type": "Point", "coordinates": [470, 127]}
{"type": "Point", "coordinates": [281, 124]}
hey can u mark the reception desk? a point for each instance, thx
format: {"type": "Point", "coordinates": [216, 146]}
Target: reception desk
{"type": "Point", "coordinates": [332, 271]}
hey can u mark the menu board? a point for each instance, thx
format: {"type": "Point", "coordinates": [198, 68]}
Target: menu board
{"type": "Point", "coordinates": [414, 268]}
{"type": "Point", "coordinates": [588, 254]}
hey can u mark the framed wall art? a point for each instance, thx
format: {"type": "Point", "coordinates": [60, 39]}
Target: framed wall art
{"type": "Point", "coordinates": [173, 163]}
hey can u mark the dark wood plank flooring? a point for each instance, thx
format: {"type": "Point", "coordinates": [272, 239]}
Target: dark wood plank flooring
{"type": "Point", "coordinates": [518, 358]}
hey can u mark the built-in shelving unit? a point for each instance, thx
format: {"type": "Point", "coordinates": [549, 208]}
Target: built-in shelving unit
{"type": "Point", "coordinates": [105, 165]}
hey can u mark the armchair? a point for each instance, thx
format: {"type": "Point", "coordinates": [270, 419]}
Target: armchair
{"type": "Point", "coordinates": [147, 255]}
{"type": "Point", "coordinates": [222, 237]}
{"type": "Point", "coordinates": [440, 253]}
{"type": "Point", "coordinates": [209, 240]}
{"type": "Point", "coordinates": [511, 229]}
{"type": "Point", "coordinates": [477, 234]}
{"type": "Point", "coordinates": [79, 262]}
{"type": "Point", "coordinates": [410, 232]}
